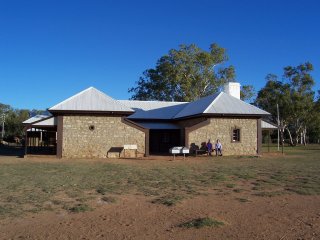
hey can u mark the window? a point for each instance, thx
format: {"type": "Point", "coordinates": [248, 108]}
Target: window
{"type": "Point", "coordinates": [236, 135]}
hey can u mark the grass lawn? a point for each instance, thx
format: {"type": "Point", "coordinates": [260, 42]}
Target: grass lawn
{"type": "Point", "coordinates": [32, 186]}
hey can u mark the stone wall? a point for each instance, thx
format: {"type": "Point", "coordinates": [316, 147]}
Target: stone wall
{"type": "Point", "coordinates": [221, 128]}
{"type": "Point", "coordinates": [109, 132]}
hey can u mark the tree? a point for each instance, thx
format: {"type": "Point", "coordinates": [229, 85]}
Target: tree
{"type": "Point", "coordinates": [295, 98]}
{"type": "Point", "coordinates": [314, 122]}
{"type": "Point", "coordinates": [247, 93]}
{"type": "Point", "coordinates": [14, 119]}
{"type": "Point", "coordinates": [4, 108]}
{"type": "Point", "coordinates": [186, 74]}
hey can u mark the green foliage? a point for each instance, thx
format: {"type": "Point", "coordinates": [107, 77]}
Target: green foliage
{"type": "Point", "coordinates": [314, 122]}
{"type": "Point", "coordinates": [295, 97]}
{"type": "Point", "coordinates": [79, 208]}
{"type": "Point", "coordinates": [168, 200]}
{"type": "Point", "coordinates": [202, 222]}
{"type": "Point", "coordinates": [230, 185]}
{"type": "Point", "coordinates": [185, 74]}
{"type": "Point", "coordinates": [102, 190]}
{"type": "Point", "coordinates": [247, 93]}
{"type": "Point", "coordinates": [13, 120]}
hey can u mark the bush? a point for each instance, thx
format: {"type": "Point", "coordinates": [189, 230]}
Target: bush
{"type": "Point", "coordinates": [202, 222]}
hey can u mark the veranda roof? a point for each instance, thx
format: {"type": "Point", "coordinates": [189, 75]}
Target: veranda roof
{"type": "Point", "coordinates": [49, 122]}
{"type": "Point", "coordinates": [35, 119]}
{"type": "Point", "coordinates": [267, 125]}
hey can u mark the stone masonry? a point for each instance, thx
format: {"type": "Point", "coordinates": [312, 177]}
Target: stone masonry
{"type": "Point", "coordinates": [221, 128]}
{"type": "Point", "coordinates": [94, 136]}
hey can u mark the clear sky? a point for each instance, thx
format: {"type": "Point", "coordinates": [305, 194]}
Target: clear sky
{"type": "Point", "coordinates": [52, 49]}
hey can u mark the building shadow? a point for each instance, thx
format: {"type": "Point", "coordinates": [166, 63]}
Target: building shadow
{"type": "Point", "coordinates": [12, 151]}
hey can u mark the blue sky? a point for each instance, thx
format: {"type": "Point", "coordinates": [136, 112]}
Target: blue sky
{"type": "Point", "coordinates": [50, 50]}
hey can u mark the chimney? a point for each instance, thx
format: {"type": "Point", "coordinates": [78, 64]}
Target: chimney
{"type": "Point", "coordinates": [233, 89]}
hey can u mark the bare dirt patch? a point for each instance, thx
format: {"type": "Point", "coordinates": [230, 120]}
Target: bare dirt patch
{"type": "Point", "coordinates": [135, 217]}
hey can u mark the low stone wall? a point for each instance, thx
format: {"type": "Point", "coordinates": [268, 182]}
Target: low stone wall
{"type": "Point", "coordinates": [94, 136]}
{"type": "Point", "coordinates": [221, 128]}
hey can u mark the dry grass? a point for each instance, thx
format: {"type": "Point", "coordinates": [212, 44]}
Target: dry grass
{"type": "Point", "coordinates": [33, 186]}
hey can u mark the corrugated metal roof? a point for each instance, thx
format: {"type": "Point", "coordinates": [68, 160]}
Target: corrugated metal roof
{"type": "Point", "coordinates": [35, 119]}
{"type": "Point", "coordinates": [91, 99]}
{"type": "Point", "coordinates": [49, 122]}
{"type": "Point", "coordinates": [266, 125]}
{"type": "Point", "coordinates": [158, 125]}
{"type": "Point", "coordinates": [197, 107]}
{"type": "Point", "coordinates": [226, 104]}
{"type": "Point", "coordinates": [153, 109]}
{"type": "Point", "coordinates": [220, 103]}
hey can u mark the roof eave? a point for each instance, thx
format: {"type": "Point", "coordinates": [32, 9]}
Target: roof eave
{"type": "Point", "coordinates": [236, 115]}
{"type": "Point", "coordinates": [37, 121]}
{"type": "Point", "coordinates": [85, 112]}
{"type": "Point", "coordinates": [223, 115]}
{"type": "Point", "coordinates": [151, 119]}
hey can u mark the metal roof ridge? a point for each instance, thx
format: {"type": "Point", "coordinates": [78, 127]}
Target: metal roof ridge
{"type": "Point", "coordinates": [210, 105]}
{"type": "Point", "coordinates": [246, 103]}
{"type": "Point", "coordinates": [152, 101]}
{"type": "Point", "coordinates": [175, 116]}
{"type": "Point", "coordinates": [72, 97]}
{"type": "Point", "coordinates": [181, 110]}
{"type": "Point", "coordinates": [107, 97]}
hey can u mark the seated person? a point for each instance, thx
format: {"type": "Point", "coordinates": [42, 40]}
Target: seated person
{"type": "Point", "coordinates": [218, 147]}
{"type": "Point", "coordinates": [209, 147]}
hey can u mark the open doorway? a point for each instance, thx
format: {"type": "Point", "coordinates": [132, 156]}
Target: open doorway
{"type": "Point", "coordinates": [161, 140]}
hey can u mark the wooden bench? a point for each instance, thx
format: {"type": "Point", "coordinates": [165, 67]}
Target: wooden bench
{"type": "Point", "coordinates": [114, 152]}
{"type": "Point", "coordinates": [201, 151]}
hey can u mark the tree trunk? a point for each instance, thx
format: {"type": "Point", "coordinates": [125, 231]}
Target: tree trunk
{"type": "Point", "coordinates": [304, 136]}
{"type": "Point", "coordinates": [291, 140]}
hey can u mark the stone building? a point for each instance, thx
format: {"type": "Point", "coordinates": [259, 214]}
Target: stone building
{"type": "Point", "coordinates": [91, 124]}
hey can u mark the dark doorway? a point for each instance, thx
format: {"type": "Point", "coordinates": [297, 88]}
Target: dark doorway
{"type": "Point", "coordinates": [162, 140]}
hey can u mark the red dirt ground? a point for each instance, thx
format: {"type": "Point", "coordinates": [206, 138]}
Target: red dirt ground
{"type": "Point", "coordinates": [135, 217]}
{"type": "Point", "coordinates": [283, 217]}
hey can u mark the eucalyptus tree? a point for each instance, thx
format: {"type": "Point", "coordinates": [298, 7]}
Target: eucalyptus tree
{"type": "Point", "coordinates": [185, 74]}
{"type": "Point", "coordinates": [294, 96]}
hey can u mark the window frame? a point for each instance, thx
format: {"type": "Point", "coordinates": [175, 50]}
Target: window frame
{"type": "Point", "coordinates": [239, 135]}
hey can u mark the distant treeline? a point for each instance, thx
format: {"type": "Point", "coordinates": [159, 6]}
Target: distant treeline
{"type": "Point", "coordinates": [13, 126]}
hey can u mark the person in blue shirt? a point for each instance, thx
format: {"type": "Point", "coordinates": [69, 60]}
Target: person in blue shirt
{"type": "Point", "coordinates": [209, 147]}
{"type": "Point", "coordinates": [218, 148]}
